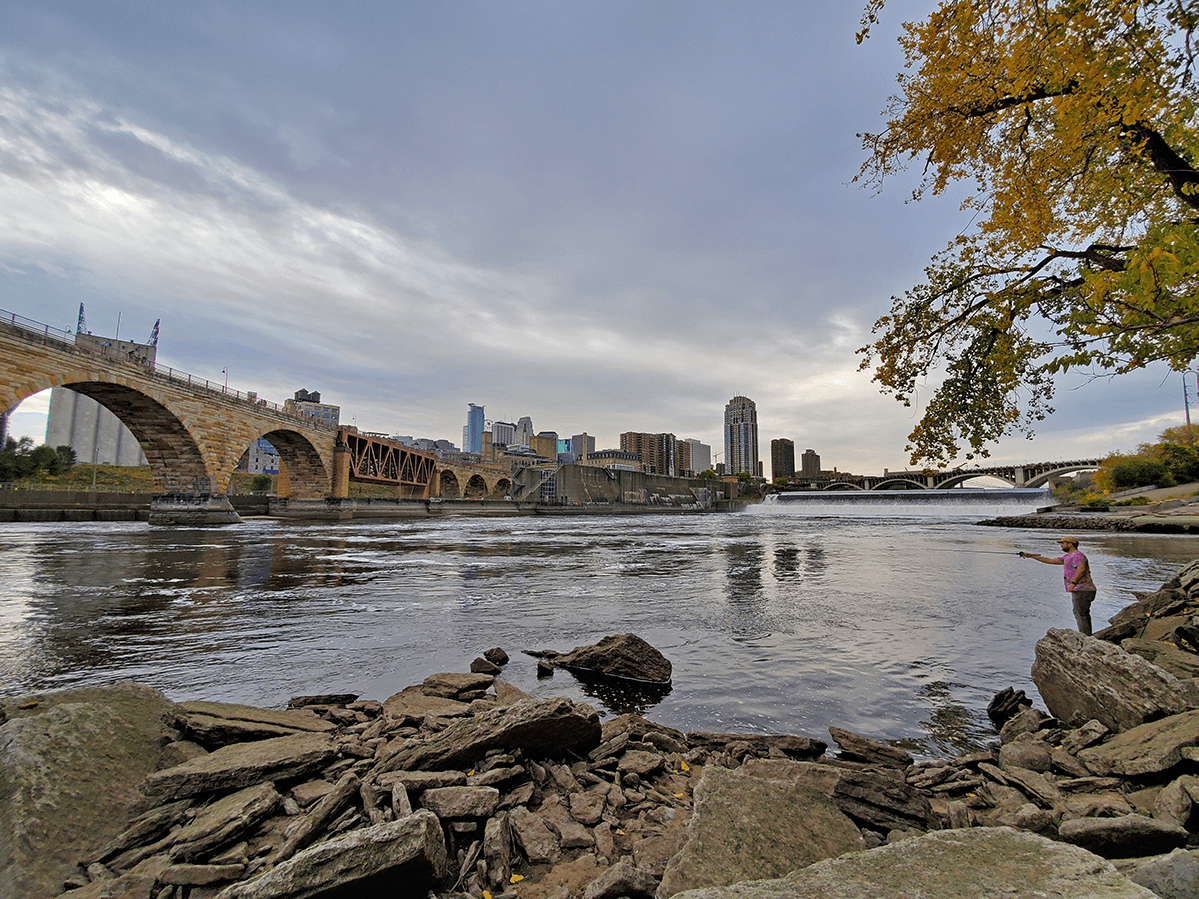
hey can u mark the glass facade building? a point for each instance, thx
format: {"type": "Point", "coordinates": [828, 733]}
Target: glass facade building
{"type": "Point", "coordinates": [741, 436]}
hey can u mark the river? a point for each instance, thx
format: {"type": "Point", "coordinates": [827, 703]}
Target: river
{"type": "Point", "coordinates": [898, 621]}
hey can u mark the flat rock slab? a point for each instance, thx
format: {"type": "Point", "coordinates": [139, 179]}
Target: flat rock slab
{"type": "Point", "coordinates": [537, 727]}
{"type": "Point", "coordinates": [400, 858]}
{"type": "Point", "coordinates": [979, 863]}
{"type": "Point", "coordinates": [412, 703]}
{"type": "Point", "coordinates": [243, 764]}
{"type": "Point", "coordinates": [747, 828]}
{"type": "Point", "coordinates": [1083, 677]}
{"type": "Point", "coordinates": [69, 772]}
{"type": "Point", "coordinates": [1147, 749]}
{"type": "Point", "coordinates": [221, 723]}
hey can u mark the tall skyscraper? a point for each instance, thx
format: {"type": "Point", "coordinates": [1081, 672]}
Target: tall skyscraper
{"type": "Point", "coordinates": [582, 445]}
{"type": "Point", "coordinates": [503, 433]}
{"type": "Point", "coordinates": [782, 458]}
{"type": "Point", "coordinates": [810, 463]}
{"type": "Point", "coordinates": [656, 451]}
{"type": "Point", "coordinates": [741, 436]}
{"type": "Point", "coordinates": [472, 440]}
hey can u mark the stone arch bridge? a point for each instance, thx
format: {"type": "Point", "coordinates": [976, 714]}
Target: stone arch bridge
{"type": "Point", "coordinates": [193, 431]}
{"type": "Point", "coordinates": [1032, 474]}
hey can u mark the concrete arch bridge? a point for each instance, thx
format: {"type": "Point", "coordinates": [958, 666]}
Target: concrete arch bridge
{"type": "Point", "coordinates": [193, 431]}
{"type": "Point", "coordinates": [1032, 474]}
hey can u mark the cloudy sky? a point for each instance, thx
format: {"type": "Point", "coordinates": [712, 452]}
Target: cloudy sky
{"type": "Point", "coordinates": [608, 216]}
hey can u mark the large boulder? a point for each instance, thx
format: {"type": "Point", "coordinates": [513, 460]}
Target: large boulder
{"type": "Point", "coordinates": [978, 863]}
{"type": "Point", "coordinates": [748, 828]}
{"type": "Point", "coordinates": [70, 766]}
{"type": "Point", "coordinates": [537, 727]}
{"type": "Point", "coordinates": [1081, 678]}
{"type": "Point", "coordinates": [625, 656]}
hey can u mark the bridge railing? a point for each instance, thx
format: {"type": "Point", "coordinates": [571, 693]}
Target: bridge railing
{"type": "Point", "coordinates": [68, 338]}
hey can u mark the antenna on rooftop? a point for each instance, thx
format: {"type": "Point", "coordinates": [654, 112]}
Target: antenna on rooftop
{"type": "Point", "coordinates": [81, 328]}
{"type": "Point", "coordinates": [154, 333]}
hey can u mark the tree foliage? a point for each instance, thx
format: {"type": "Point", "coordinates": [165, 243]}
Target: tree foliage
{"type": "Point", "coordinates": [1073, 125]}
{"type": "Point", "coordinates": [21, 459]}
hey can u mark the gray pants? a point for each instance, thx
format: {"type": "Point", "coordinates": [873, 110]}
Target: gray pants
{"type": "Point", "coordinates": [1082, 609]}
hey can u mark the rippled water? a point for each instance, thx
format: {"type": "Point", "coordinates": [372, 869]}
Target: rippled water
{"type": "Point", "coordinates": [781, 619]}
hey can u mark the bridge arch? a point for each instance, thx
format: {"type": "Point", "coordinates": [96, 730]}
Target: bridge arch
{"type": "Point", "coordinates": [951, 482]}
{"type": "Point", "coordinates": [844, 485]}
{"type": "Point", "coordinates": [1042, 479]}
{"type": "Point", "coordinates": [475, 488]}
{"type": "Point", "coordinates": [447, 484]}
{"type": "Point", "coordinates": [898, 484]}
{"type": "Point", "coordinates": [501, 488]}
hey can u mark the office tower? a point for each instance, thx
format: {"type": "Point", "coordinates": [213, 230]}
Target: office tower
{"type": "Point", "coordinates": [741, 436]}
{"type": "Point", "coordinates": [524, 431]}
{"type": "Point", "coordinates": [701, 455]}
{"type": "Point", "coordinates": [582, 445]}
{"type": "Point", "coordinates": [472, 440]}
{"type": "Point", "coordinates": [545, 444]}
{"type": "Point", "coordinates": [782, 458]}
{"type": "Point", "coordinates": [810, 464]}
{"type": "Point", "coordinates": [503, 433]}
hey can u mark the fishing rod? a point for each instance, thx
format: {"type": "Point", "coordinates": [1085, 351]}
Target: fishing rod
{"type": "Point", "coordinates": [993, 552]}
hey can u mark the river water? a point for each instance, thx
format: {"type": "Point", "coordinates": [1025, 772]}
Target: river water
{"type": "Point", "coordinates": [897, 620]}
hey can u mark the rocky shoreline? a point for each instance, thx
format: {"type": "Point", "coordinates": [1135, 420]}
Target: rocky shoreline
{"type": "Point", "coordinates": [463, 785]}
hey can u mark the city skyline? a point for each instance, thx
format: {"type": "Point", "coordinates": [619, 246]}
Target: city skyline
{"type": "Point", "coordinates": [623, 212]}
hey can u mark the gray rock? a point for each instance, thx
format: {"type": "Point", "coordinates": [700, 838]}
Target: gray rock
{"type": "Point", "coordinates": [496, 656]}
{"type": "Point", "coordinates": [1082, 737]}
{"type": "Point", "coordinates": [200, 875]}
{"type": "Point", "coordinates": [618, 655]}
{"type": "Point", "coordinates": [413, 703]}
{"type": "Point", "coordinates": [747, 828]}
{"type": "Point", "coordinates": [1032, 755]}
{"type": "Point", "coordinates": [243, 764]}
{"type": "Point", "coordinates": [1124, 837]}
{"type": "Point", "coordinates": [497, 850]}
{"type": "Point", "coordinates": [224, 821]}
{"type": "Point", "coordinates": [214, 724]}
{"type": "Point", "coordinates": [400, 858]}
{"type": "Point", "coordinates": [461, 802]}
{"type": "Point", "coordinates": [1146, 749]}
{"type": "Point", "coordinates": [452, 686]}
{"type": "Point", "coordinates": [536, 727]}
{"type": "Point", "coordinates": [1176, 802]}
{"type": "Point", "coordinates": [640, 762]}
{"type": "Point", "coordinates": [1025, 721]}
{"type": "Point", "coordinates": [622, 879]}
{"type": "Point", "coordinates": [1173, 876]}
{"type": "Point", "coordinates": [588, 808]}
{"type": "Point", "coordinates": [539, 843]}
{"type": "Point", "coordinates": [483, 666]}
{"type": "Point", "coordinates": [870, 751]}
{"type": "Point", "coordinates": [1082, 677]}
{"type": "Point", "coordinates": [801, 748]}
{"type": "Point", "coordinates": [979, 863]}
{"type": "Point", "coordinates": [69, 772]}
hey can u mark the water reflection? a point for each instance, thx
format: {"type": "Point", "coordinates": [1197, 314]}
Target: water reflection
{"type": "Point", "coordinates": [621, 697]}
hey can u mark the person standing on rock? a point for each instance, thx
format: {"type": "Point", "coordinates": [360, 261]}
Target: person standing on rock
{"type": "Point", "coordinates": [1077, 575]}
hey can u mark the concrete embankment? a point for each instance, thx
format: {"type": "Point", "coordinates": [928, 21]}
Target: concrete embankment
{"type": "Point", "coordinates": [73, 505]}
{"type": "Point", "coordinates": [463, 784]}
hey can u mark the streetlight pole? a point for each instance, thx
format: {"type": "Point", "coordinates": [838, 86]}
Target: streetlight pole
{"type": "Point", "coordinates": [1186, 399]}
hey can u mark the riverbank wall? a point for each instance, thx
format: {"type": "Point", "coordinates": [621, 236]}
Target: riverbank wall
{"type": "Point", "coordinates": [571, 490]}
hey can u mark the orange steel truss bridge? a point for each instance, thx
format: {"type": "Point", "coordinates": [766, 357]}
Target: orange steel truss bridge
{"type": "Point", "coordinates": [377, 460]}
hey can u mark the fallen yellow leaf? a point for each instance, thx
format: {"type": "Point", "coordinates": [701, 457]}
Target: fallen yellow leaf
{"type": "Point", "coordinates": [684, 766]}
{"type": "Point", "coordinates": [619, 831]}
{"type": "Point", "coordinates": [516, 878]}
{"type": "Point", "coordinates": [678, 795]}
{"type": "Point", "coordinates": [486, 895]}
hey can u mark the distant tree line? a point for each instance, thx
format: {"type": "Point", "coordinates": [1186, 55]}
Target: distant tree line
{"type": "Point", "coordinates": [1173, 460]}
{"type": "Point", "coordinates": [21, 459]}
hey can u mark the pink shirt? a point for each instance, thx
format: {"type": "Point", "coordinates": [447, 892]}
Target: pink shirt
{"type": "Point", "coordinates": [1070, 565]}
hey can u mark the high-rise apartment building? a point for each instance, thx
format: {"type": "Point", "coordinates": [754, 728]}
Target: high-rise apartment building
{"type": "Point", "coordinates": [582, 445]}
{"type": "Point", "coordinates": [472, 437]}
{"type": "Point", "coordinates": [741, 436]}
{"type": "Point", "coordinates": [782, 458]}
{"type": "Point", "coordinates": [810, 464]}
{"type": "Point", "coordinates": [658, 452]}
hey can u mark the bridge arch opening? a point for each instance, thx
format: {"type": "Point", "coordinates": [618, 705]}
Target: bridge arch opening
{"type": "Point", "coordinates": [177, 464]}
{"type": "Point", "coordinates": [447, 484]}
{"type": "Point", "coordinates": [899, 484]}
{"type": "Point", "coordinates": [302, 472]}
{"type": "Point", "coordinates": [476, 487]}
{"type": "Point", "coordinates": [502, 488]}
